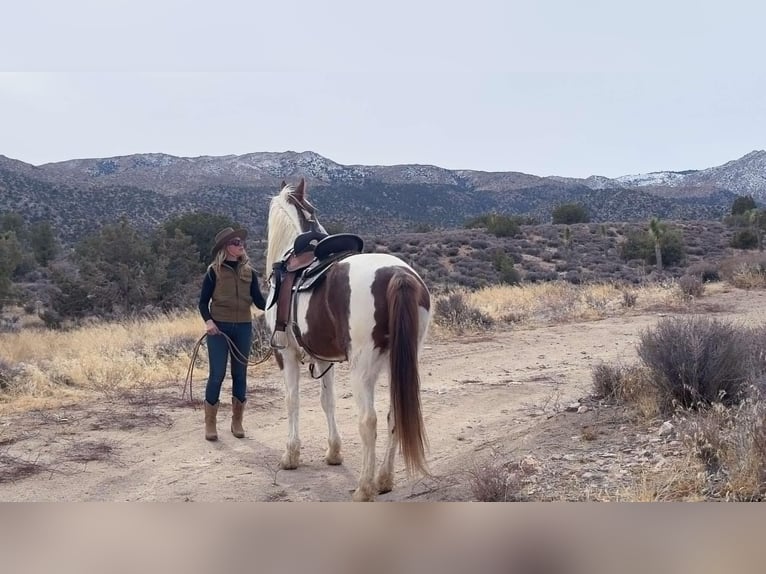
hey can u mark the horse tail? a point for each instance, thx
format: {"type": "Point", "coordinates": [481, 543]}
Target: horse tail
{"type": "Point", "coordinates": [403, 294]}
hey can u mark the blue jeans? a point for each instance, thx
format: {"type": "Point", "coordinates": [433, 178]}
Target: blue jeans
{"type": "Point", "coordinates": [241, 335]}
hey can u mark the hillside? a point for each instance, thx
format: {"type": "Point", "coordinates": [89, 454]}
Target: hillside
{"type": "Point", "coordinates": [145, 189]}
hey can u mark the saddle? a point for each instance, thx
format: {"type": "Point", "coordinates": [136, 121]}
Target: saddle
{"type": "Point", "coordinates": [303, 268]}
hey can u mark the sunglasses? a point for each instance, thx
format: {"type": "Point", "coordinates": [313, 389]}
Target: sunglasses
{"type": "Point", "coordinates": [236, 242]}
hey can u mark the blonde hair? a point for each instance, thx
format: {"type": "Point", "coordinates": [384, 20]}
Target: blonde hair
{"type": "Point", "coordinates": [220, 257]}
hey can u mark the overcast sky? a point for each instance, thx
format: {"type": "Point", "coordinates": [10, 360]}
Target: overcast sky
{"type": "Point", "coordinates": [572, 88]}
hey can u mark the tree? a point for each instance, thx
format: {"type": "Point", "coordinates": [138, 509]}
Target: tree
{"type": "Point", "coordinates": [757, 220]}
{"type": "Point", "coordinates": [642, 245]}
{"type": "Point", "coordinates": [10, 257]}
{"type": "Point", "coordinates": [569, 213]}
{"type": "Point", "coordinates": [114, 263]}
{"type": "Point", "coordinates": [12, 221]}
{"type": "Point", "coordinates": [43, 242]}
{"type": "Point", "coordinates": [504, 266]}
{"type": "Point", "coordinates": [201, 227]}
{"type": "Point", "coordinates": [175, 272]}
{"type": "Point", "coordinates": [656, 231]}
{"type": "Point", "coordinates": [742, 204]}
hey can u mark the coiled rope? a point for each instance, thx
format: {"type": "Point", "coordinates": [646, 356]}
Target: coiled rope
{"type": "Point", "coordinates": [235, 353]}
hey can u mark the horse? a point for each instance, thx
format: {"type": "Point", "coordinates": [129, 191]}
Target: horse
{"type": "Point", "coordinates": [372, 310]}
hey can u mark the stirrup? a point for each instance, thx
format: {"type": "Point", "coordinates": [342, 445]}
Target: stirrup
{"type": "Point", "coordinates": [278, 340]}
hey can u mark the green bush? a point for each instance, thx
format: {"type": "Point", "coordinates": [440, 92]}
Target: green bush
{"type": "Point", "coordinates": [569, 213]}
{"type": "Point", "coordinates": [745, 239]}
{"type": "Point", "coordinates": [498, 225]}
{"type": "Point", "coordinates": [640, 245]}
{"type": "Point", "coordinates": [742, 204]}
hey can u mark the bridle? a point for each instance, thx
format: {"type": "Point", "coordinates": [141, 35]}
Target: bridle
{"type": "Point", "coordinates": [306, 213]}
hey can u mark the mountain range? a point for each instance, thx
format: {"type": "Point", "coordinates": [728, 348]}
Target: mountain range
{"type": "Point", "coordinates": [78, 195]}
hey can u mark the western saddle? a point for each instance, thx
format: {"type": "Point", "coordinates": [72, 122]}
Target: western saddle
{"type": "Point", "coordinates": [303, 268]}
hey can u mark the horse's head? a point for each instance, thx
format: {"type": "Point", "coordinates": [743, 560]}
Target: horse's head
{"type": "Point", "coordinates": [290, 214]}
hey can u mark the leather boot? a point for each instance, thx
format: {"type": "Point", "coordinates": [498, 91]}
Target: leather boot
{"type": "Point", "coordinates": [237, 408]}
{"type": "Point", "coordinates": [211, 411]}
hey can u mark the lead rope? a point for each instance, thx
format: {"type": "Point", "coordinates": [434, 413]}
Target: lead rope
{"type": "Point", "coordinates": [235, 352]}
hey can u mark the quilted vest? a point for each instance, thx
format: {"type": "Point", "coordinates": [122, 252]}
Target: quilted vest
{"type": "Point", "coordinates": [231, 299]}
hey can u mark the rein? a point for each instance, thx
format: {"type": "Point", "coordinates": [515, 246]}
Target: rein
{"type": "Point", "coordinates": [235, 352]}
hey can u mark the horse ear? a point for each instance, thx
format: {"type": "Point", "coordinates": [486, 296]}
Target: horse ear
{"type": "Point", "coordinates": [300, 191]}
{"type": "Point", "coordinates": [284, 185]}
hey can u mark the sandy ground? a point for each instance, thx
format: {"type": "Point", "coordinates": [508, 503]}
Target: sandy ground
{"type": "Point", "coordinates": [502, 394]}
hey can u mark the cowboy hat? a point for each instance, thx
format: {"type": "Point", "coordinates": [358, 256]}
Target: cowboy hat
{"type": "Point", "coordinates": [225, 235]}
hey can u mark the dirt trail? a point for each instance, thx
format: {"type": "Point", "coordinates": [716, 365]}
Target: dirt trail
{"type": "Point", "coordinates": [479, 393]}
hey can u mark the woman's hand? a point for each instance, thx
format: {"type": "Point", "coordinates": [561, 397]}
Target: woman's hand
{"type": "Point", "coordinates": [211, 328]}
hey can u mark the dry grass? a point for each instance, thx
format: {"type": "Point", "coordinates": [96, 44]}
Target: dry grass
{"type": "Point", "coordinates": [494, 480]}
{"type": "Point", "coordinates": [731, 443]}
{"type": "Point", "coordinates": [558, 302]}
{"type": "Point", "coordinates": [681, 481]}
{"type": "Point", "coordinates": [58, 367]}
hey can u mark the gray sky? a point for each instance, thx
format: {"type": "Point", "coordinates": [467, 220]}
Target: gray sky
{"type": "Point", "coordinates": [571, 88]}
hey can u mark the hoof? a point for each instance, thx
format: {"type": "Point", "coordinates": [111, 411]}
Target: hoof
{"type": "Point", "coordinates": [363, 494]}
{"type": "Point", "coordinates": [288, 462]}
{"type": "Point", "coordinates": [385, 485]}
{"type": "Point", "coordinates": [333, 458]}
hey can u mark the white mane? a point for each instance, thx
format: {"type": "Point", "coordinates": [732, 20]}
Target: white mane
{"type": "Point", "coordinates": [283, 227]}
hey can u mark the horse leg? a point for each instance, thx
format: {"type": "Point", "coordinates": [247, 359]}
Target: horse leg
{"type": "Point", "coordinates": [327, 397]}
{"type": "Point", "coordinates": [292, 455]}
{"type": "Point", "coordinates": [363, 387]}
{"type": "Point", "coordinates": [385, 480]}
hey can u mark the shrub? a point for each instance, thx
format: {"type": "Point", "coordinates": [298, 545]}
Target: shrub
{"type": "Point", "coordinates": [9, 374]}
{"type": "Point", "coordinates": [629, 299]}
{"type": "Point", "coordinates": [453, 312]}
{"type": "Point", "coordinates": [742, 204]}
{"type": "Point", "coordinates": [731, 442]}
{"type": "Point", "coordinates": [697, 360]}
{"type": "Point", "coordinates": [606, 381]}
{"type": "Point", "coordinates": [745, 239]}
{"type": "Point", "coordinates": [569, 213]}
{"type": "Point", "coordinates": [640, 245]}
{"type": "Point", "coordinates": [691, 286]}
{"type": "Point", "coordinates": [494, 481]}
{"type": "Point", "coordinates": [705, 270]}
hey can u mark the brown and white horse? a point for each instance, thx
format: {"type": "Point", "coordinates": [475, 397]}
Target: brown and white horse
{"type": "Point", "coordinates": [372, 310]}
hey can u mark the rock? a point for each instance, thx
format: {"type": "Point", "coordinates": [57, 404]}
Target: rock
{"type": "Point", "coordinates": [573, 407]}
{"type": "Point", "coordinates": [582, 409]}
{"type": "Point", "coordinates": [666, 429]}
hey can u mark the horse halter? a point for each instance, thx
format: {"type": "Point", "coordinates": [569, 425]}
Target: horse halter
{"type": "Point", "coordinates": [308, 223]}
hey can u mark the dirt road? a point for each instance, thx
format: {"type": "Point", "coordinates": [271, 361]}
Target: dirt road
{"type": "Point", "coordinates": [481, 394]}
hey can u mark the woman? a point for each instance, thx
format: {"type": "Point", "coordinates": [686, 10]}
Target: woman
{"type": "Point", "coordinates": [229, 289]}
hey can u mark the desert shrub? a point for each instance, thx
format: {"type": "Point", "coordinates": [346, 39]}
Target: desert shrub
{"type": "Point", "coordinates": [453, 312]}
{"type": "Point", "coordinates": [691, 286]}
{"type": "Point", "coordinates": [573, 276]}
{"type": "Point", "coordinates": [705, 270]}
{"type": "Point", "coordinates": [629, 299]}
{"type": "Point", "coordinates": [745, 239]}
{"type": "Point", "coordinates": [569, 213]}
{"type": "Point", "coordinates": [9, 374]}
{"type": "Point", "coordinates": [697, 360]}
{"type": "Point", "coordinates": [505, 268]}
{"type": "Point", "coordinates": [731, 443]}
{"type": "Point", "coordinates": [632, 385]}
{"type": "Point", "coordinates": [495, 481]}
{"type": "Point", "coordinates": [606, 381]}
{"type": "Point", "coordinates": [742, 204]}
{"type": "Point", "coordinates": [640, 245]}
{"type": "Point", "coordinates": [479, 244]}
